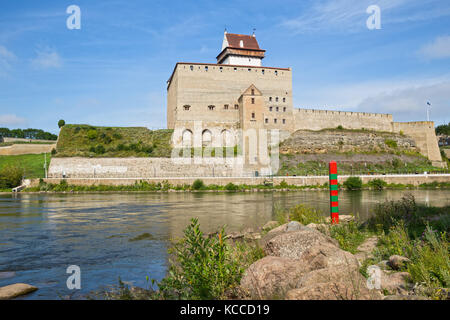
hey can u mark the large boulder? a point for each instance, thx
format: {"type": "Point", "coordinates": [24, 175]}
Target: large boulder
{"type": "Point", "coordinates": [332, 291]}
{"type": "Point", "coordinates": [365, 249]}
{"type": "Point", "coordinates": [395, 283]}
{"type": "Point", "coordinates": [327, 255]}
{"type": "Point", "coordinates": [396, 262]}
{"type": "Point", "coordinates": [271, 277]}
{"type": "Point", "coordinates": [293, 244]}
{"type": "Point", "coordinates": [14, 290]}
{"type": "Point", "coordinates": [270, 225]}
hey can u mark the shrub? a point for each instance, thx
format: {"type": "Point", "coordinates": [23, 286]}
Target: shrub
{"type": "Point", "coordinates": [11, 176]}
{"type": "Point", "coordinates": [339, 127]}
{"type": "Point", "coordinates": [61, 123]}
{"type": "Point", "coordinates": [92, 134]}
{"type": "Point", "coordinates": [390, 143]}
{"type": "Point", "coordinates": [305, 215]}
{"type": "Point", "coordinates": [198, 184]}
{"type": "Point", "coordinates": [377, 184]}
{"type": "Point", "coordinates": [203, 267]}
{"type": "Point", "coordinates": [100, 149]}
{"type": "Point", "coordinates": [348, 235]}
{"type": "Point", "coordinates": [284, 184]}
{"type": "Point", "coordinates": [231, 187]}
{"type": "Point", "coordinates": [53, 151]}
{"type": "Point", "coordinates": [117, 136]}
{"type": "Point", "coordinates": [353, 183]}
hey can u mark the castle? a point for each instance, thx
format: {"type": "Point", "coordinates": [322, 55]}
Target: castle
{"type": "Point", "coordinates": [239, 93]}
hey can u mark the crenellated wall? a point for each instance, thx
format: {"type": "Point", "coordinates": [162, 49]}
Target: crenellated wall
{"type": "Point", "coordinates": [310, 119]}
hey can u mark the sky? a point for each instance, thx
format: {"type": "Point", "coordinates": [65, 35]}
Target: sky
{"type": "Point", "coordinates": [113, 70]}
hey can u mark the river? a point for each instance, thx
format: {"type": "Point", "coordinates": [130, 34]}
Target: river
{"type": "Point", "coordinates": [42, 234]}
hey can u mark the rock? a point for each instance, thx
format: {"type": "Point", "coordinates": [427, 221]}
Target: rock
{"type": "Point", "coordinates": [15, 290]}
{"type": "Point", "coordinates": [332, 291]}
{"type": "Point", "coordinates": [252, 236]}
{"type": "Point", "coordinates": [383, 264]}
{"type": "Point", "coordinates": [396, 262]}
{"type": "Point", "coordinates": [327, 255]}
{"type": "Point", "coordinates": [295, 226]}
{"type": "Point", "coordinates": [395, 283]}
{"type": "Point", "coordinates": [270, 225]}
{"type": "Point", "coordinates": [365, 249]}
{"type": "Point", "coordinates": [270, 277]}
{"type": "Point", "coordinates": [344, 218]}
{"type": "Point", "coordinates": [321, 227]}
{"type": "Point", "coordinates": [405, 297]}
{"type": "Point", "coordinates": [294, 244]}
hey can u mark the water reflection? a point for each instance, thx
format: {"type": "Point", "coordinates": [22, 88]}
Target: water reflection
{"type": "Point", "coordinates": [127, 235]}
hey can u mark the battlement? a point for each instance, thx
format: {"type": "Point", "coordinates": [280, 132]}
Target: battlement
{"type": "Point", "coordinates": [344, 113]}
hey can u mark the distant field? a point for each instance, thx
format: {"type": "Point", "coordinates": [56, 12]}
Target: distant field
{"type": "Point", "coordinates": [90, 141]}
{"type": "Point", "coordinates": [33, 164]}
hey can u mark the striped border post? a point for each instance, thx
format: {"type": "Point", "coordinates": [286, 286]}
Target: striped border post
{"type": "Point", "coordinates": [334, 204]}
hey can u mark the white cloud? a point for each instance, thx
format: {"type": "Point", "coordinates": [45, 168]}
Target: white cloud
{"type": "Point", "coordinates": [47, 58]}
{"type": "Point", "coordinates": [404, 99]}
{"type": "Point", "coordinates": [8, 120]}
{"type": "Point", "coordinates": [350, 16]}
{"type": "Point", "coordinates": [438, 49]}
{"type": "Point", "coordinates": [6, 57]}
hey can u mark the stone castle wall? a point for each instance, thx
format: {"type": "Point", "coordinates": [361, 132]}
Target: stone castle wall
{"type": "Point", "coordinates": [309, 119]}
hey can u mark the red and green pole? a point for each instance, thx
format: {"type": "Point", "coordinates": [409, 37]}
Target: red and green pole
{"type": "Point", "coordinates": [334, 204]}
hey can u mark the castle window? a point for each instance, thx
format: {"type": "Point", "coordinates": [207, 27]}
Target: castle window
{"type": "Point", "coordinates": [221, 68]}
{"type": "Point", "coordinates": [249, 69]}
{"type": "Point", "coordinates": [253, 100]}
{"type": "Point", "coordinates": [192, 68]}
{"type": "Point", "coordinates": [267, 120]}
{"type": "Point", "coordinates": [236, 106]}
{"type": "Point", "coordinates": [277, 109]}
{"type": "Point", "coordinates": [270, 108]}
{"type": "Point", "coordinates": [225, 107]}
{"type": "Point", "coordinates": [206, 68]}
{"type": "Point", "coordinates": [253, 115]}
{"type": "Point", "coordinates": [275, 120]}
{"type": "Point", "coordinates": [253, 92]}
{"type": "Point", "coordinates": [270, 99]}
{"type": "Point", "coordinates": [284, 121]}
{"type": "Point", "coordinates": [235, 69]}
{"type": "Point", "coordinates": [262, 71]}
{"type": "Point", "coordinates": [211, 107]}
{"type": "Point", "coordinates": [276, 72]}
{"type": "Point", "coordinates": [284, 109]}
{"type": "Point", "coordinates": [186, 107]}
{"type": "Point", "coordinates": [276, 99]}
{"type": "Point", "coordinates": [284, 99]}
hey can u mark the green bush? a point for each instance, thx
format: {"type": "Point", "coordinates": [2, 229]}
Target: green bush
{"type": "Point", "coordinates": [305, 215]}
{"type": "Point", "coordinates": [339, 127]}
{"type": "Point", "coordinates": [10, 176]}
{"type": "Point", "coordinates": [203, 267]}
{"type": "Point", "coordinates": [92, 134]}
{"type": "Point", "coordinates": [198, 184]}
{"type": "Point", "coordinates": [353, 183]}
{"type": "Point", "coordinates": [348, 235]}
{"type": "Point", "coordinates": [377, 184]}
{"type": "Point", "coordinates": [231, 187]}
{"type": "Point", "coordinates": [100, 149]}
{"type": "Point", "coordinates": [391, 143]}
{"type": "Point", "coordinates": [61, 123]}
{"type": "Point", "coordinates": [284, 184]}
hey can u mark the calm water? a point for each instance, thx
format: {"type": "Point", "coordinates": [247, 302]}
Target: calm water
{"type": "Point", "coordinates": [41, 235]}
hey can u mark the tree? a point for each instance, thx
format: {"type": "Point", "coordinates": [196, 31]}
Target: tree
{"type": "Point", "coordinates": [61, 123]}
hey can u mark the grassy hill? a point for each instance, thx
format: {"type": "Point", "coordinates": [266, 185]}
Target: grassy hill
{"type": "Point", "coordinates": [32, 164]}
{"type": "Point", "coordinates": [89, 141]}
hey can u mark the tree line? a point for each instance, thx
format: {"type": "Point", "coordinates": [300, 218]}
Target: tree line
{"type": "Point", "coordinates": [443, 129]}
{"type": "Point", "coordinates": [27, 134]}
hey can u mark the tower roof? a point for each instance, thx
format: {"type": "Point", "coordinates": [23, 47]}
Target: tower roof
{"type": "Point", "coordinates": [241, 41]}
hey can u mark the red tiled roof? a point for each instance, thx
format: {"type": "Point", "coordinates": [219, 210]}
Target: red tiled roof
{"type": "Point", "coordinates": [249, 42]}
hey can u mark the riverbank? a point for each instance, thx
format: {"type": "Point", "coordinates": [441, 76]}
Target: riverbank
{"type": "Point", "coordinates": [237, 184]}
{"type": "Point", "coordinates": [402, 250]}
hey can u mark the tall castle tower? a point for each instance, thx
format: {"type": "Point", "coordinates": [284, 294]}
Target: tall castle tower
{"type": "Point", "coordinates": [240, 49]}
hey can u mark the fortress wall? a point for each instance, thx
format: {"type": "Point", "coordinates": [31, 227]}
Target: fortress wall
{"type": "Point", "coordinates": [218, 85]}
{"type": "Point", "coordinates": [78, 167]}
{"type": "Point", "coordinates": [424, 135]}
{"type": "Point", "coordinates": [18, 149]}
{"type": "Point", "coordinates": [309, 119]}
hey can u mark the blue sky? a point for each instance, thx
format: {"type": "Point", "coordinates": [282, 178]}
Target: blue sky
{"type": "Point", "coordinates": [113, 71]}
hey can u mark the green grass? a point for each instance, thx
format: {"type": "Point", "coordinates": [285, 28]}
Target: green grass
{"type": "Point", "coordinates": [32, 164]}
{"type": "Point", "coordinates": [90, 141]}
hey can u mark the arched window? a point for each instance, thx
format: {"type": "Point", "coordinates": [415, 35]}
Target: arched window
{"type": "Point", "coordinates": [187, 138]}
{"type": "Point", "coordinates": [186, 107]}
{"type": "Point", "coordinates": [211, 107]}
{"type": "Point", "coordinates": [227, 138]}
{"type": "Point", "coordinates": [206, 138]}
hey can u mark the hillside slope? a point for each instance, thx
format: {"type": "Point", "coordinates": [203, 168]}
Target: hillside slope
{"type": "Point", "coordinates": [357, 151]}
{"type": "Point", "coordinates": [90, 141]}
